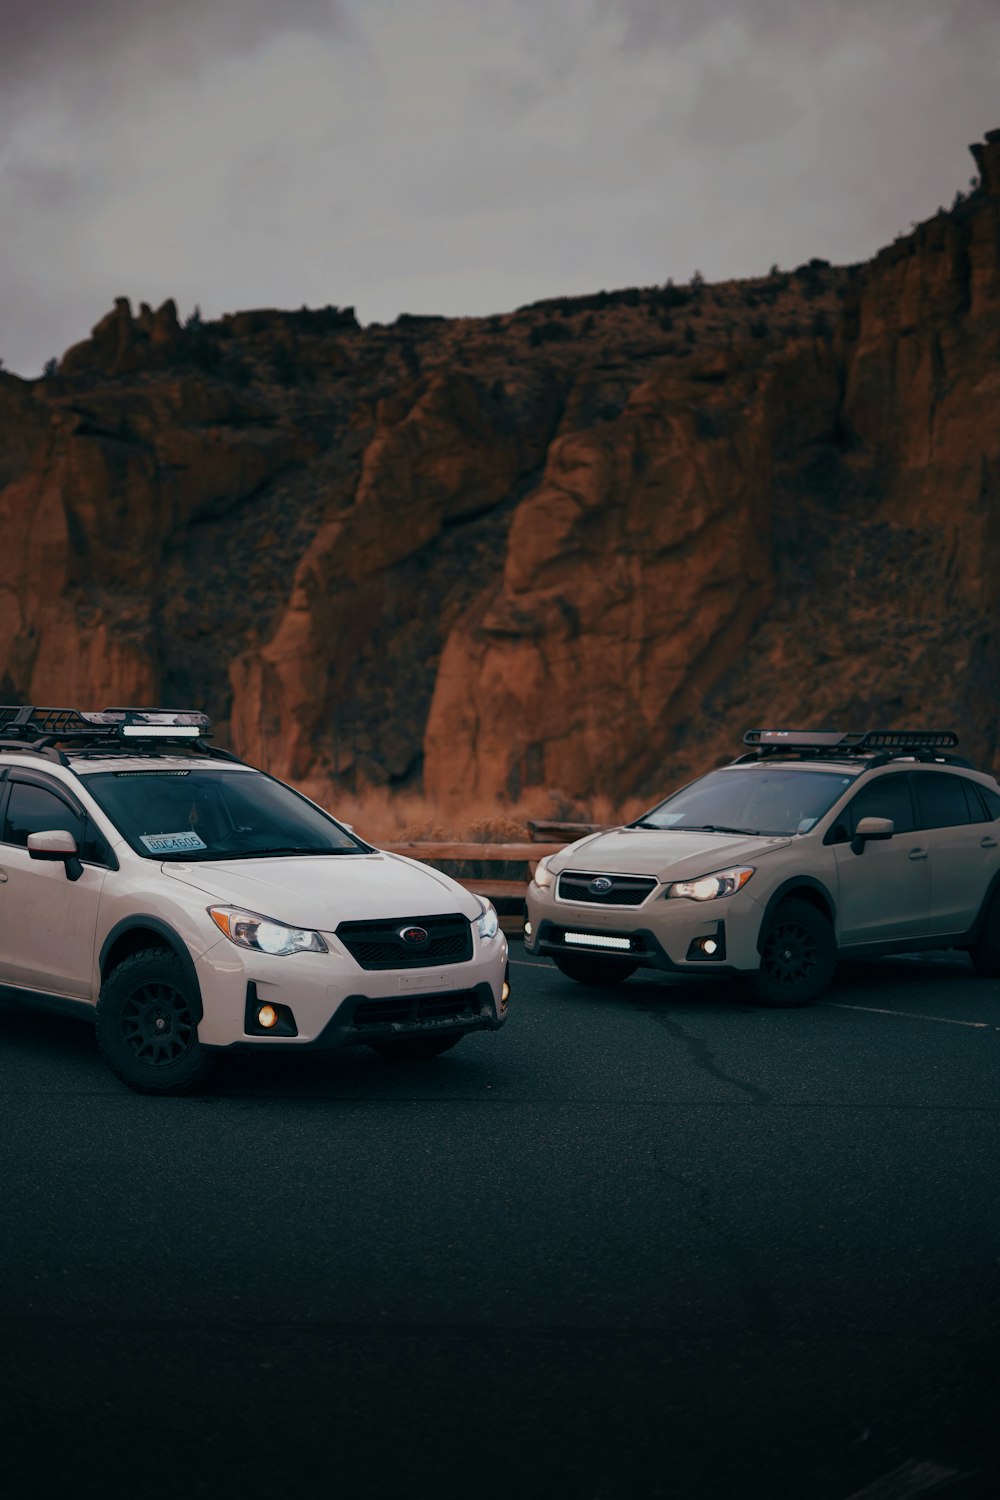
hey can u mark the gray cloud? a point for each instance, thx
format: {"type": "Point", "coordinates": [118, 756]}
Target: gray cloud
{"type": "Point", "coordinates": [45, 41]}
{"type": "Point", "coordinates": [464, 157]}
{"type": "Point", "coordinates": [785, 23]}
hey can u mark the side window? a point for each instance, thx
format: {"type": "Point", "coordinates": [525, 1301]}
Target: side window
{"type": "Point", "coordinates": [32, 809]}
{"type": "Point", "coordinates": [886, 797]}
{"type": "Point", "coordinates": [975, 803]}
{"type": "Point", "coordinates": [988, 797]}
{"type": "Point", "coordinates": [941, 800]}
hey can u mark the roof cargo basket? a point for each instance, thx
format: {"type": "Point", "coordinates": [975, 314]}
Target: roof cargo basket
{"type": "Point", "coordinates": [863, 740]}
{"type": "Point", "coordinates": [69, 726]}
{"type": "Point", "coordinates": [876, 744]}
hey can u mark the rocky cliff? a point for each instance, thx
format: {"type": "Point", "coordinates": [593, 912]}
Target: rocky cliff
{"type": "Point", "coordinates": [578, 546]}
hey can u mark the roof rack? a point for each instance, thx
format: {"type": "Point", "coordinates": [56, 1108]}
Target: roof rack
{"type": "Point", "coordinates": [27, 727]}
{"type": "Point", "coordinates": [879, 745]}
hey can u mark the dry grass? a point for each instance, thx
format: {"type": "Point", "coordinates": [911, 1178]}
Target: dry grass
{"type": "Point", "coordinates": [386, 817]}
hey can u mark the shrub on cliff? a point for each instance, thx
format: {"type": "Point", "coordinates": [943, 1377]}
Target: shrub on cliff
{"type": "Point", "coordinates": [551, 332]}
{"type": "Point", "coordinates": [669, 295]}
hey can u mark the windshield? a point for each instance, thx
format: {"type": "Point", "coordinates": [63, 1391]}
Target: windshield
{"type": "Point", "coordinates": [211, 813]}
{"type": "Point", "coordinates": [751, 799]}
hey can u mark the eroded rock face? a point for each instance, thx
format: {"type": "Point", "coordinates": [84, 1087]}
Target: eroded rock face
{"type": "Point", "coordinates": [581, 546]}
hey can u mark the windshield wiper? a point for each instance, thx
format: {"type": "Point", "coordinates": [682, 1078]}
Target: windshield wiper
{"type": "Point", "coordinates": [281, 849]}
{"type": "Point", "coordinates": [208, 856]}
{"type": "Point", "coordinates": [719, 828]}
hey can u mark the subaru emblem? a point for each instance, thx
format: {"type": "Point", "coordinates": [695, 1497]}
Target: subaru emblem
{"type": "Point", "coordinates": [415, 935]}
{"type": "Point", "coordinates": [600, 885]}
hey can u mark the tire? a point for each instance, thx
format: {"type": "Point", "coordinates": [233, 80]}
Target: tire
{"type": "Point", "coordinates": [985, 951]}
{"type": "Point", "coordinates": [798, 956]}
{"type": "Point", "coordinates": [416, 1048]}
{"type": "Point", "coordinates": [146, 1025]}
{"type": "Point", "coordinates": [592, 970]}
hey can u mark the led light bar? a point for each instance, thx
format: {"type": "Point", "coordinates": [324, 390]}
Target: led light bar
{"type": "Point", "coordinates": [160, 731]}
{"type": "Point", "coordinates": [793, 739]}
{"type": "Point", "coordinates": [597, 940]}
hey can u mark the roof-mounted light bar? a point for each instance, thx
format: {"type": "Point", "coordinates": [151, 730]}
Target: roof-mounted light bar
{"type": "Point", "coordinates": [803, 739]}
{"type": "Point", "coordinates": [160, 732]}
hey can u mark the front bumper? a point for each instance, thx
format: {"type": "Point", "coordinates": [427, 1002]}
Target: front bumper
{"type": "Point", "coordinates": [359, 1020]}
{"type": "Point", "coordinates": [336, 1003]}
{"type": "Point", "coordinates": [660, 934]}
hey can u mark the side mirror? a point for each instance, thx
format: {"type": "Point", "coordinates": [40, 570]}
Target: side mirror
{"type": "Point", "coordinates": [871, 828]}
{"type": "Point", "coordinates": [57, 844]}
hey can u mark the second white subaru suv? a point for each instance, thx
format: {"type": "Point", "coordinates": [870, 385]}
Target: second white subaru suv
{"type": "Point", "coordinates": [189, 903]}
{"type": "Point", "coordinates": [813, 845]}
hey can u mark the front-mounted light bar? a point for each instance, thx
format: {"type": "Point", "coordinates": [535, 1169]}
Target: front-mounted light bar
{"type": "Point", "coordinates": [597, 940]}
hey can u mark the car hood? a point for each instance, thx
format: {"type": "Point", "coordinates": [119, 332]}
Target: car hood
{"type": "Point", "coordinates": [318, 891]}
{"type": "Point", "coordinates": [669, 855]}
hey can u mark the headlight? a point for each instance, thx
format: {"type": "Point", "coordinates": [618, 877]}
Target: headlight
{"type": "Point", "coordinates": [488, 923]}
{"type": "Point", "coordinates": [263, 936]}
{"type": "Point", "coordinates": [708, 887]}
{"type": "Point", "coordinates": [543, 876]}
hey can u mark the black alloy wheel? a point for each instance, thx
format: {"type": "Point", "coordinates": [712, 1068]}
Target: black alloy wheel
{"type": "Point", "coordinates": [798, 956]}
{"type": "Point", "coordinates": [147, 1028]}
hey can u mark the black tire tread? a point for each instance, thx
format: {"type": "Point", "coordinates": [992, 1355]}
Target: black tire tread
{"type": "Point", "coordinates": [985, 951]}
{"type": "Point", "coordinates": [183, 1077]}
{"type": "Point", "coordinates": [767, 991]}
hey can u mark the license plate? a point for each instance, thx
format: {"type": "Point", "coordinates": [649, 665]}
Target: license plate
{"type": "Point", "coordinates": [425, 980]}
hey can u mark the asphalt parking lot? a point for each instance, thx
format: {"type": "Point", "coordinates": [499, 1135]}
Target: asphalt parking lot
{"type": "Point", "coordinates": [651, 1241]}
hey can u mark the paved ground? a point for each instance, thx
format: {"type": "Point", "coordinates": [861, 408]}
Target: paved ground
{"type": "Point", "coordinates": [647, 1242]}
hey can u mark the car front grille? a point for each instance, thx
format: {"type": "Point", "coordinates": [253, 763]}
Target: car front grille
{"type": "Point", "coordinates": [380, 945]}
{"type": "Point", "coordinates": [401, 1010]}
{"type": "Point", "coordinates": [626, 890]}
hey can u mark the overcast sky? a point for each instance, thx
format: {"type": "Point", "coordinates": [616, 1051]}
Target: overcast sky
{"type": "Point", "coordinates": [462, 156]}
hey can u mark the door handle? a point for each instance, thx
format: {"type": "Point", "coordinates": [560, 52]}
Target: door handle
{"type": "Point", "coordinates": [987, 843]}
{"type": "Point", "coordinates": [3, 877]}
{"type": "Point", "coordinates": [918, 853]}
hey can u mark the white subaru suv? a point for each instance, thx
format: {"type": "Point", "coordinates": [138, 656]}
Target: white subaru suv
{"type": "Point", "coordinates": [190, 903]}
{"type": "Point", "coordinates": [813, 845]}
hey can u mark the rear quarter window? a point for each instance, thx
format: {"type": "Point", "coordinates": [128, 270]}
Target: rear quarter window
{"type": "Point", "coordinates": [989, 799]}
{"type": "Point", "coordinates": [942, 801]}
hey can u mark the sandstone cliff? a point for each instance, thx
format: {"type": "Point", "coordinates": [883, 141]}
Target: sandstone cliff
{"type": "Point", "coordinates": [579, 546]}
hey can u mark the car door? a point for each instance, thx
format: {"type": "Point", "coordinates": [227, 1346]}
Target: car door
{"type": "Point", "coordinates": [961, 844]}
{"type": "Point", "coordinates": [48, 923]}
{"type": "Point", "coordinates": [884, 892]}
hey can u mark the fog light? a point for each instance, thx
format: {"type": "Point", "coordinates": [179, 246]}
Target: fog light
{"type": "Point", "coordinates": [267, 1017]}
{"type": "Point", "coordinates": [528, 929]}
{"type": "Point", "coordinates": [505, 994]}
{"type": "Point", "coordinates": [708, 948]}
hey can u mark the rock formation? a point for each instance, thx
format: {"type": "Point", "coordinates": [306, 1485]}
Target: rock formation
{"type": "Point", "coordinates": [579, 546]}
